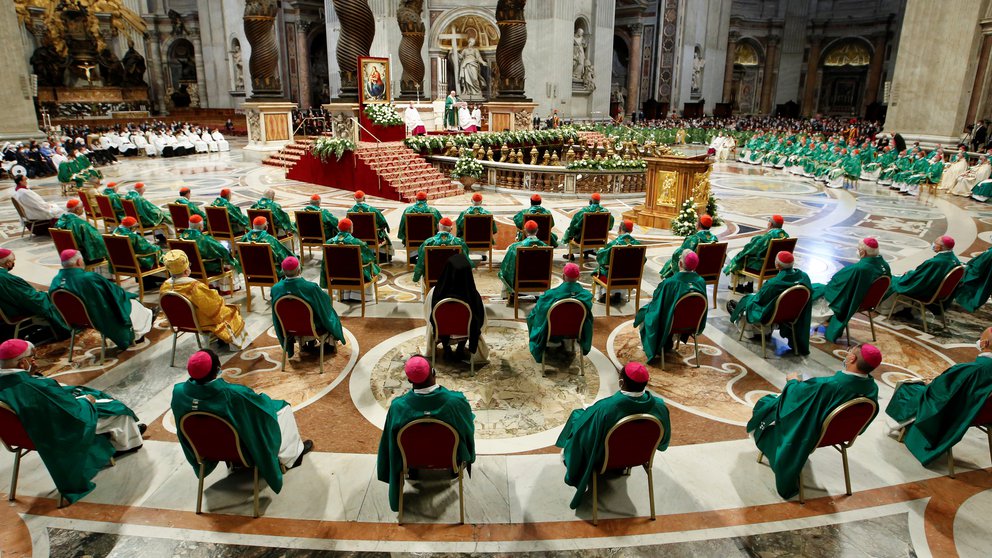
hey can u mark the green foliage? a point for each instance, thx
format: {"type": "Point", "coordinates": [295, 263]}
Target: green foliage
{"type": "Point", "coordinates": [611, 163]}
{"type": "Point", "coordinates": [323, 148]}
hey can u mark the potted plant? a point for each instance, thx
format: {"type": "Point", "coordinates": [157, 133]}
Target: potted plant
{"type": "Point", "coordinates": [467, 170]}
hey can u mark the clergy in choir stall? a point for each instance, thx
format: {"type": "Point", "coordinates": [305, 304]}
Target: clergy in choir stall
{"type": "Point", "coordinates": [603, 256]}
{"type": "Point", "coordinates": [382, 227]}
{"type": "Point", "coordinates": [76, 430]}
{"type": "Point", "coordinates": [259, 234]}
{"type": "Point", "coordinates": [655, 318]}
{"type": "Point", "coordinates": [184, 199]}
{"type": "Point", "coordinates": [976, 285]}
{"type": "Point", "coordinates": [935, 416]}
{"type": "Point", "coordinates": [451, 112]}
{"type": "Point", "coordinates": [266, 427]}
{"type": "Point", "coordinates": [223, 320]}
{"type": "Point", "coordinates": [575, 227]}
{"type": "Point", "coordinates": [457, 282]}
{"type": "Point", "coordinates": [327, 218]}
{"type": "Point", "coordinates": [535, 208]}
{"type": "Point", "coordinates": [836, 302]}
{"type": "Point", "coordinates": [34, 206]}
{"type": "Point", "coordinates": [216, 257]}
{"type": "Point", "coordinates": [19, 299]}
{"type": "Point", "coordinates": [973, 176]}
{"type": "Point", "coordinates": [149, 255]}
{"type": "Point", "coordinates": [925, 280]}
{"type": "Point", "coordinates": [115, 199]}
{"type": "Point", "coordinates": [701, 236]}
{"type": "Point", "coordinates": [279, 217]}
{"type": "Point", "coordinates": [370, 267]}
{"type": "Point", "coordinates": [760, 306]}
{"type": "Point", "coordinates": [508, 267]}
{"type": "Point", "coordinates": [443, 237]}
{"type": "Point", "coordinates": [418, 207]}
{"type": "Point", "coordinates": [475, 209]}
{"type": "Point", "coordinates": [414, 123]}
{"type": "Point", "coordinates": [753, 254]}
{"type": "Point", "coordinates": [537, 320]}
{"type": "Point", "coordinates": [584, 434]}
{"type": "Point", "coordinates": [957, 168]}
{"type": "Point", "coordinates": [115, 313]}
{"type": "Point", "coordinates": [324, 316]}
{"type": "Point", "coordinates": [237, 218]}
{"type": "Point", "coordinates": [78, 169]}
{"type": "Point", "coordinates": [427, 399]}
{"type": "Point", "coordinates": [982, 191]}
{"type": "Point", "coordinates": [786, 427]}
{"type": "Point", "coordinates": [88, 239]}
{"type": "Point", "coordinates": [151, 214]}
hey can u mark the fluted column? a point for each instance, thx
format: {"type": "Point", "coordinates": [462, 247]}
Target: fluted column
{"type": "Point", "coordinates": [355, 39]}
{"type": "Point", "coordinates": [260, 19]}
{"type": "Point", "coordinates": [812, 67]}
{"type": "Point", "coordinates": [875, 70]}
{"type": "Point", "coordinates": [728, 72]}
{"type": "Point", "coordinates": [634, 68]}
{"type": "Point", "coordinates": [510, 50]}
{"type": "Point", "coordinates": [771, 74]}
{"type": "Point", "coordinates": [412, 29]}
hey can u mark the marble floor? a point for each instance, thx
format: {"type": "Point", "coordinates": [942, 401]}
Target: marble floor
{"type": "Point", "coordinates": [713, 498]}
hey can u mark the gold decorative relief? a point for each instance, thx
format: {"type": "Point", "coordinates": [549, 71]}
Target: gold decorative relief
{"type": "Point", "coordinates": [666, 189]}
{"type": "Point", "coordinates": [701, 186]}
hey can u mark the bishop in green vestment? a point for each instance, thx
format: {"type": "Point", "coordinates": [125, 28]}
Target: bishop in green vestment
{"type": "Point", "coordinates": [370, 267]}
{"type": "Point", "coordinates": [655, 318]}
{"type": "Point", "coordinates": [427, 399]}
{"type": "Point", "coordinates": [259, 234]}
{"type": "Point", "coordinates": [194, 208]}
{"type": "Point", "coordinates": [925, 280]}
{"type": "Point", "coordinates": [77, 168]}
{"type": "Point", "coordinates": [442, 238]}
{"type": "Point", "coordinates": [279, 217]}
{"type": "Point", "coordinates": [151, 215]}
{"type": "Point", "coordinates": [418, 207]}
{"type": "Point", "coordinates": [701, 236]}
{"type": "Point", "coordinates": [574, 230]}
{"type": "Point", "coordinates": [760, 306]}
{"type": "Point", "coordinates": [214, 255]}
{"type": "Point", "coordinates": [583, 439]}
{"type": "Point", "coordinates": [521, 218]}
{"type": "Point", "coordinates": [382, 227]}
{"type": "Point", "coordinates": [329, 221]}
{"type": "Point", "coordinates": [537, 320]}
{"type": "Point", "coordinates": [237, 218]}
{"type": "Point", "coordinates": [115, 199]}
{"type": "Point", "coordinates": [623, 239]}
{"type": "Point", "coordinates": [324, 316]}
{"type": "Point", "coordinates": [475, 209]}
{"type": "Point", "coordinates": [508, 267]}
{"type": "Point", "coordinates": [786, 427]}
{"type": "Point", "coordinates": [976, 285]}
{"type": "Point", "coordinates": [450, 112]}
{"type": "Point", "coordinates": [849, 286]}
{"type": "Point", "coordinates": [149, 255]}
{"type": "Point", "coordinates": [752, 256]}
{"type": "Point", "coordinates": [19, 299]}
{"type": "Point", "coordinates": [937, 415]}
{"type": "Point", "coordinates": [88, 239]}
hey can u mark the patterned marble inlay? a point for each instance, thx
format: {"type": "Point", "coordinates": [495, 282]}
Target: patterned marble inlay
{"type": "Point", "coordinates": [764, 184]}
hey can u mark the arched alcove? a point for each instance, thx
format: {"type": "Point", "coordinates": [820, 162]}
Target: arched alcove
{"type": "Point", "coordinates": [749, 59]}
{"type": "Point", "coordinates": [843, 76]}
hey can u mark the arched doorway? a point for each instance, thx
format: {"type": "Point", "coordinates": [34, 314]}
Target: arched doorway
{"type": "Point", "coordinates": [843, 77]}
{"type": "Point", "coordinates": [618, 76]}
{"type": "Point", "coordinates": [475, 80]}
{"type": "Point", "coordinates": [320, 92]}
{"type": "Point", "coordinates": [182, 89]}
{"type": "Point", "coordinates": [748, 61]}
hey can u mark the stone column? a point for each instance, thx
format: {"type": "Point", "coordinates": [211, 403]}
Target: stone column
{"type": "Point", "coordinates": [510, 50]}
{"type": "Point", "coordinates": [260, 20]}
{"type": "Point", "coordinates": [303, 62]}
{"type": "Point", "coordinates": [412, 29]}
{"type": "Point", "coordinates": [978, 105]}
{"type": "Point", "coordinates": [728, 72]}
{"type": "Point", "coordinates": [156, 67]}
{"type": "Point", "coordinates": [812, 68]}
{"type": "Point", "coordinates": [771, 74]}
{"type": "Point", "coordinates": [201, 81]}
{"type": "Point", "coordinates": [875, 71]}
{"type": "Point", "coordinates": [634, 69]}
{"type": "Point", "coordinates": [355, 39]}
{"type": "Point", "coordinates": [19, 121]}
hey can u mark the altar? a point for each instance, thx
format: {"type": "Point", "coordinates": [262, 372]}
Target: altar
{"type": "Point", "coordinates": [670, 181]}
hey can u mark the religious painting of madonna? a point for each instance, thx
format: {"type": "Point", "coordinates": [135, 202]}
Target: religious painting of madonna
{"type": "Point", "coordinates": [373, 80]}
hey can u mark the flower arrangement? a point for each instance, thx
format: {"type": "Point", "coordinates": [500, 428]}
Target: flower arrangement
{"type": "Point", "coordinates": [467, 166]}
{"type": "Point", "coordinates": [611, 163]}
{"type": "Point", "coordinates": [685, 223]}
{"type": "Point", "coordinates": [323, 148]}
{"type": "Point", "coordinates": [711, 209]}
{"type": "Point", "coordinates": [494, 139]}
{"type": "Point", "coordinates": [383, 114]}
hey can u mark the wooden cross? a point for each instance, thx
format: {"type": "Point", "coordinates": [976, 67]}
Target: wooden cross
{"type": "Point", "coordinates": [453, 37]}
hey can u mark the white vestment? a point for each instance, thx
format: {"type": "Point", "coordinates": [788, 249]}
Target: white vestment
{"type": "Point", "coordinates": [970, 179]}
{"type": "Point", "coordinates": [36, 208]}
{"type": "Point", "coordinates": [291, 446]}
{"type": "Point", "coordinates": [221, 142]}
{"type": "Point", "coordinates": [412, 119]}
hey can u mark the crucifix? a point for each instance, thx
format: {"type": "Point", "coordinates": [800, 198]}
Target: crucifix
{"type": "Point", "coordinates": [88, 68]}
{"type": "Point", "coordinates": [453, 37]}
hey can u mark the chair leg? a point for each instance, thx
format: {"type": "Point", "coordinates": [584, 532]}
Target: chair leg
{"type": "Point", "coordinates": [847, 470]}
{"type": "Point", "coordinates": [950, 462]}
{"type": "Point", "coordinates": [871, 322]}
{"type": "Point", "coordinates": [763, 343]}
{"type": "Point", "coordinates": [17, 329]}
{"type": "Point", "coordinates": [582, 361]}
{"type": "Point", "coordinates": [595, 498]}
{"type": "Point", "coordinates": [516, 306]}
{"type": "Point", "coordinates": [103, 347]}
{"type": "Point", "coordinates": [141, 288]}
{"type": "Point", "coordinates": [760, 456]}
{"type": "Point", "coordinates": [72, 344]}
{"type": "Point", "coordinates": [695, 345]}
{"type": "Point", "coordinates": [248, 293]}
{"type": "Point", "coordinates": [399, 519]}
{"type": "Point", "coordinates": [284, 358]}
{"type": "Point", "coordinates": [363, 298]}
{"type": "Point", "coordinates": [321, 341]}
{"type": "Point", "coordinates": [847, 328]}
{"type": "Point", "coordinates": [662, 351]}
{"type": "Point", "coordinates": [802, 491]}
{"type": "Point", "coordinates": [199, 491]}
{"type": "Point", "coordinates": [172, 361]}
{"type": "Point", "coordinates": [256, 491]}
{"type": "Point", "coordinates": [461, 497]}
{"type": "Point", "coordinates": [650, 473]}
{"type": "Point", "coordinates": [13, 476]}
{"type": "Point", "coordinates": [943, 314]}
{"type": "Point", "coordinates": [923, 316]}
{"type": "Point", "coordinates": [544, 357]}
{"type": "Point", "coordinates": [892, 308]}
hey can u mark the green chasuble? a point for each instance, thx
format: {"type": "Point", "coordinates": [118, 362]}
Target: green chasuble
{"type": "Point", "coordinates": [78, 170]}
{"type": "Point", "coordinates": [149, 255]}
{"type": "Point", "coordinates": [447, 406]}
{"type": "Point", "coordinates": [212, 252]}
{"type": "Point", "coordinates": [753, 253]}
{"type": "Point", "coordinates": [603, 254]}
{"type": "Point", "coordinates": [537, 320]}
{"type": "Point", "coordinates": [852, 167]}
{"type": "Point", "coordinates": [18, 298]}
{"type": "Point", "coordinates": [521, 218]}
{"type": "Point", "coordinates": [450, 114]}
{"type": "Point", "coordinates": [88, 239]}
{"type": "Point", "coordinates": [62, 428]}
{"type": "Point", "coordinates": [279, 250]}
{"type": "Point", "coordinates": [508, 267]}
{"type": "Point", "coordinates": [380, 221]}
{"type": "Point", "coordinates": [760, 306]}
{"type": "Point", "coordinates": [655, 317]}
{"type": "Point", "coordinates": [324, 316]}
{"type": "Point", "coordinates": [440, 239]}
{"type": "Point", "coordinates": [252, 414]}
{"type": "Point", "coordinates": [194, 208]}
{"type": "Point", "coordinates": [109, 305]}
{"type": "Point", "coordinates": [923, 281]}
{"type": "Point", "coordinates": [115, 202]}
{"type": "Point", "coordinates": [584, 435]}
{"type": "Point", "coordinates": [846, 290]}
{"type": "Point", "coordinates": [281, 220]}
{"type": "Point", "coordinates": [328, 219]}
{"type": "Point", "coordinates": [943, 409]}
{"type": "Point", "coordinates": [575, 227]}
{"type": "Point", "coordinates": [976, 285]}
{"type": "Point", "coordinates": [150, 213]}
{"type": "Point", "coordinates": [419, 207]}
{"type": "Point", "coordinates": [238, 219]}
{"type": "Point", "coordinates": [474, 210]}
{"type": "Point", "coordinates": [369, 264]}
{"type": "Point", "coordinates": [786, 427]}
{"type": "Point", "coordinates": [690, 243]}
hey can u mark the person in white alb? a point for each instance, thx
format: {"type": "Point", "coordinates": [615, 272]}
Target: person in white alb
{"type": "Point", "coordinates": [35, 208]}
{"type": "Point", "coordinates": [221, 142]}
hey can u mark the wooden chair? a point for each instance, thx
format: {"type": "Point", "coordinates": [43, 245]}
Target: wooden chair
{"type": "Point", "coordinates": [219, 224]}
{"type": "Point", "coordinates": [180, 216]}
{"type": "Point", "coordinates": [430, 444]}
{"type": "Point", "coordinates": [270, 226]}
{"type": "Point", "coordinates": [435, 258]}
{"type": "Point", "coordinates": [478, 235]}
{"type": "Point", "coordinates": [131, 210]}
{"type": "Point", "coordinates": [182, 319]}
{"type": "Point", "coordinates": [876, 292]}
{"type": "Point", "coordinates": [74, 314]}
{"type": "Point", "coordinates": [310, 228]}
{"type": "Point", "coordinates": [125, 264]}
{"type": "Point", "coordinates": [92, 213]}
{"type": "Point", "coordinates": [711, 259]}
{"type": "Point", "coordinates": [110, 220]}
{"type": "Point", "coordinates": [15, 321]}
{"type": "Point", "coordinates": [348, 272]}
{"type": "Point", "coordinates": [364, 228]}
{"type": "Point", "coordinates": [840, 429]}
{"type": "Point", "coordinates": [768, 269]}
{"type": "Point", "coordinates": [689, 313]}
{"type": "Point", "coordinates": [197, 270]}
{"type": "Point", "coordinates": [545, 222]}
{"type": "Point", "coordinates": [259, 269]}
{"type": "Point", "coordinates": [64, 240]}
{"type": "Point", "coordinates": [626, 267]}
{"type": "Point", "coordinates": [788, 307]}
{"type": "Point", "coordinates": [533, 273]}
{"type": "Point", "coordinates": [983, 422]}
{"type": "Point", "coordinates": [451, 318]}
{"type": "Point", "coordinates": [296, 319]}
{"type": "Point", "coordinates": [419, 227]}
{"type": "Point", "coordinates": [593, 234]}
{"type": "Point", "coordinates": [946, 290]}
{"type": "Point", "coordinates": [28, 225]}
{"type": "Point", "coordinates": [631, 442]}
{"type": "Point", "coordinates": [565, 319]}
{"type": "Point", "coordinates": [213, 440]}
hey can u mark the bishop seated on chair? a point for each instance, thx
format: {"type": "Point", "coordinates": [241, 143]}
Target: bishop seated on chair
{"type": "Point", "coordinates": [224, 321]}
{"type": "Point", "coordinates": [537, 320]}
{"type": "Point", "coordinates": [656, 317]}
{"type": "Point", "coordinates": [88, 239]}
{"type": "Point", "coordinates": [324, 316]}
{"type": "Point", "coordinates": [18, 299]}
{"type": "Point", "coordinates": [753, 253]}
{"type": "Point", "coordinates": [760, 307]}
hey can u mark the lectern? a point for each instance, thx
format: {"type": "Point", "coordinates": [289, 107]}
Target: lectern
{"type": "Point", "coordinates": [670, 181]}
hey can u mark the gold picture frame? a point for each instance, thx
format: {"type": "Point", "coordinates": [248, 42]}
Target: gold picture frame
{"type": "Point", "coordinates": [373, 80]}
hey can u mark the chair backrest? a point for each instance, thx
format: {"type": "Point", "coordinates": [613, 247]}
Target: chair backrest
{"type": "Point", "coordinates": [72, 308]}
{"type": "Point", "coordinates": [12, 432]}
{"type": "Point", "coordinates": [626, 265]}
{"type": "Point", "coordinates": [774, 247]}
{"type": "Point", "coordinates": [256, 261]}
{"type": "Point", "coordinates": [310, 226]}
{"type": "Point", "coordinates": [435, 258]}
{"type": "Point", "coordinates": [595, 228]}
{"type": "Point", "coordinates": [984, 416]}
{"type": "Point", "coordinates": [179, 311]}
{"type": "Point", "coordinates": [19, 209]}
{"type": "Point", "coordinates": [84, 198]}
{"type": "Point", "coordinates": [949, 284]}
{"type": "Point", "coordinates": [180, 215]}
{"type": "Point", "coordinates": [269, 225]}
{"type": "Point", "coordinates": [452, 317]}
{"type": "Point", "coordinates": [690, 310]}
{"type": "Point", "coordinates": [846, 422]}
{"type": "Point", "coordinates": [711, 259]}
{"type": "Point", "coordinates": [218, 222]}
{"type": "Point", "coordinates": [130, 210]}
{"type": "Point", "coordinates": [565, 318]}
{"type": "Point", "coordinates": [347, 268]}
{"type": "Point", "coordinates": [632, 441]}
{"type": "Point", "coordinates": [544, 225]}
{"type": "Point", "coordinates": [875, 293]}
{"type": "Point", "coordinates": [121, 254]}
{"type": "Point", "coordinates": [12, 320]}
{"type": "Point", "coordinates": [196, 270]}
{"type": "Point", "coordinates": [428, 444]}
{"type": "Point", "coordinates": [419, 227]}
{"type": "Point", "coordinates": [478, 231]}
{"type": "Point", "coordinates": [106, 210]}
{"type": "Point", "coordinates": [63, 239]}
{"type": "Point", "coordinates": [212, 438]}
{"type": "Point", "coordinates": [534, 267]}
{"type": "Point", "coordinates": [790, 304]}
{"type": "Point", "coordinates": [295, 317]}
{"type": "Point", "coordinates": [363, 227]}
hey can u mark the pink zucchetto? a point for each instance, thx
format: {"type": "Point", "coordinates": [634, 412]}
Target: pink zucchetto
{"type": "Point", "coordinates": [871, 355]}
{"type": "Point", "coordinates": [690, 260]}
{"type": "Point", "coordinates": [66, 255]}
{"type": "Point", "coordinates": [871, 242]}
{"type": "Point", "coordinates": [199, 365]}
{"type": "Point", "coordinates": [417, 369]}
{"type": "Point", "coordinates": [290, 263]}
{"type": "Point", "coordinates": [571, 271]}
{"type": "Point", "coordinates": [13, 348]}
{"type": "Point", "coordinates": [947, 242]}
{"type": "Point", "coordinates": [636, 372]}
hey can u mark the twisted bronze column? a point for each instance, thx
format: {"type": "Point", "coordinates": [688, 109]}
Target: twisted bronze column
{"type": "Point", "coordinates": [357, 32]}
{"type": "Point", "coordinates": [260, 19]}
{"type": "Point", "coordinates": [412, 29]}
{"type": "Point", "coordinates": [509, 51]}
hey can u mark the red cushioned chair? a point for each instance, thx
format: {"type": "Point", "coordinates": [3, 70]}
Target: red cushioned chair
{"type": "Point", "coordinates": [130, 210]}
{"type": "Point", "coordinates": [92, 214]}
{"type": "Point", "coordinates": [876, 292]}
{"type": "Point", "coordinates": [947, 287]}
{"type": "Point", "coordinates": [74, 314]}
{"type": "Point", "coordinates": [259, 270]}
{"type": "Point", "coordinates": [363, 228]}
{"type": "Point", "coordinates": [64, 240]}
{"type": "Point", "coordinates": [565, 319]}
{"type": "Point", "coordinates": [435, 258]}
{"type": "Point", "coordinates": [624, 271]}
{"type": "Point", "coordinates": [478, 234]}
{"type": "Point", "coordinates": [180, 216]}
{"type": "Point", "coordinates": [197, 270]}
{"type": "Point", "coordinates": [711, 259]}
{"type": "Point", "coordinates": [296, 319]}
{"type": "Point", "coordinates": [110, 220]}
{"type": "Point", "coordinates": [689, 312]}
{"type": "Point", "coordinates": [219, 223]}
{"type": "Point", "coordinates": [419, 227]}
{"type": "Point", "coordinates": [451, 318]}
{"type": "Point", "coordinates": [15, 321]}
{"type": "Point", "coordinates": [347, 273]}
{"type": "Point", "coordinates": [983, 422]}
{"type": "Point", "coordinates": [788, 308]}
{"type": "Point", "coordinates": [430, 444]}
{"type": "Point", "coordinates": [270, 225]}
{"type": "Point", "coordinates": [631, 442]}
{"type": "Point", "coordinates": [182, 319]}
{"type": "Point", "coordinates": [545, 222]}
{"type": "Point", "coordinates": [533, 273]}
{"type": "Point", "coordinates": [213, 440]}
{"type": "Point", "coordinates": [593, 233]}
{"type": "Point", "coordinates": [840, 429]}
{"type": "Point", "coordinates": [17, 441]}
{"type": "Point", "coordinates": [125, 264]}
{"type": "Point", "coordinates": [310, 228]}
{"type": "Point", "coordinates": [768, 269]}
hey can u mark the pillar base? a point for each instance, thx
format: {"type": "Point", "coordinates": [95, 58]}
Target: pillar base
{"type": "Point", "coordinates": [270, 126]}
{"type": "Point", "coordinates": [512, 115]}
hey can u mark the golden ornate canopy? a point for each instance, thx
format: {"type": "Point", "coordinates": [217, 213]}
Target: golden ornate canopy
{"type": "Point", "coordinates": [121, 18]}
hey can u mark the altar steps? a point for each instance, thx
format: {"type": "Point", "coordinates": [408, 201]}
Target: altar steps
{"type": "Point", "coordinates": [289, 155]}
{"type": "Point", "coordinates": [405, 172]}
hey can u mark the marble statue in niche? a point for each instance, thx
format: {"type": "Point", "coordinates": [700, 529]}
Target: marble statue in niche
{"type": "Point", "coordinates": [239, 67]}
{"type": "Point", "coordinates": [698, 63]}
{"type": "Point", "coordinates": [470, 63]}
{"type": "Point", "coordinates": [134, 66]}
{"type": "Point", "coordinates": [579, 59]}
